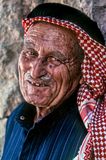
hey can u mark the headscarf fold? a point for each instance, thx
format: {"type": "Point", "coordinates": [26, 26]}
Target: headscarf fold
{"type": "Point", "coordinates": [92, 93]}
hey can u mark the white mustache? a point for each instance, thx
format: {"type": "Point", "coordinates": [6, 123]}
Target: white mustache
{"type": "Point", "coordinates": [45, 79]}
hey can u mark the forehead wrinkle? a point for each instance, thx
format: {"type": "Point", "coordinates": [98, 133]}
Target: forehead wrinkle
{"type": "Point", "coordinates": [36, 38]}
{"type": "Point", "coordinates": [47, 32]}
{"type": "Point", "coordinates": [37, 34]}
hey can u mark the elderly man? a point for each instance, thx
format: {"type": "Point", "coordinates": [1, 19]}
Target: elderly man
{"type": "Point", "coordinates": [61, 69]}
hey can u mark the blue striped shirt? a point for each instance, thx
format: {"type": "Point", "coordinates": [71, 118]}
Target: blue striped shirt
{"type": "Point", "coordinates": [57, 136]}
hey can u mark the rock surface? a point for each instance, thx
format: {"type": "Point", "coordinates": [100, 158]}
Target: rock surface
{"type": "Point", "coordinates": [11, 37]}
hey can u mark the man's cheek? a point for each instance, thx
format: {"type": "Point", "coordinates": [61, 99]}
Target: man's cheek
{"type": "Point", "coordinates": [61, 74]}
{"type": "Point", "coordinates": [21, 79]}
{"type": "Point", "coordinates": [22, 67]}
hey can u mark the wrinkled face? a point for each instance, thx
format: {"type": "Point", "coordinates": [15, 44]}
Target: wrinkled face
{"type": "Point", "coordinates": [48, 65]}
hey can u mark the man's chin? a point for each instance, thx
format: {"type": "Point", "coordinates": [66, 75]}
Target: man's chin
{"type": "Point", "coordinates": [40, 101]}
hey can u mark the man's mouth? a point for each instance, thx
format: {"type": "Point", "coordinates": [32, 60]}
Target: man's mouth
{"type": "Point", "coordinates": [38, 84]}
{"type": "Point", "coordinates": [43, 81]}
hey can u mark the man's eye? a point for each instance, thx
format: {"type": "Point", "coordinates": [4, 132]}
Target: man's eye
{"type": "Point", "coordinates": [30, 54]}
{"type": "Point", "coordinates": [54, 60]}
{"type": "Point", "coordinates": [33, 54]}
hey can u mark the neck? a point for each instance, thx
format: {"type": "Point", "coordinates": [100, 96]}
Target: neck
{"type": "Point", "coordinates": [41, 113]}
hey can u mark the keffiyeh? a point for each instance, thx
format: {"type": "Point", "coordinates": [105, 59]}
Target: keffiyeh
{"type": "Point", "coordinates": [91, 96]}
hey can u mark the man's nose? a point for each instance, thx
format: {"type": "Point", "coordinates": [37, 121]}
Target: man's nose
{"type": "Point", "coordinates": [38, 69]}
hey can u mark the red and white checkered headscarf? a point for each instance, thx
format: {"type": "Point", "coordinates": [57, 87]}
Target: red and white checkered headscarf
{"type": "Point", "coordinates": [92, 93]}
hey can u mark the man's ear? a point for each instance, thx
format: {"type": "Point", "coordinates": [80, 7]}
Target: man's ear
{"type": "Point", "coordinates": [81, 81]}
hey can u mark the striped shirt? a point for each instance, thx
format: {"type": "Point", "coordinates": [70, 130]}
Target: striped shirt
{"type": "Point", "coordinates": [57, 136]}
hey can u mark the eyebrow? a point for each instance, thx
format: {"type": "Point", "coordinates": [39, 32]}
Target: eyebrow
{"type": "Point", "coordinates": [58, 55]}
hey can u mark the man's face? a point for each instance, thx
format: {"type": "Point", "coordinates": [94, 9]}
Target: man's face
{"type": "Point", "coordinates": [48, 65]}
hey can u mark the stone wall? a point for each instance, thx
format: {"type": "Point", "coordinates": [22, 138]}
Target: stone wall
{"type": "Point", "coordinates": [11, 37]}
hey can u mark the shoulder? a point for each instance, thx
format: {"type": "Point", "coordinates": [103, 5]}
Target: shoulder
{"type": "Point", "coordinates": [12, 118]}
{"type": "Point", "coordinates": [11, 126]}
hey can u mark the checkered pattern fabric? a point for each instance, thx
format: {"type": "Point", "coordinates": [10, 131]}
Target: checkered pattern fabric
{"type": "Point", "coordinates": [91, 97]}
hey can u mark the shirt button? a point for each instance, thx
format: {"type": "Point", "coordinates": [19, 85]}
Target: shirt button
{"type": "Point", "coordinates": [22, 118]}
